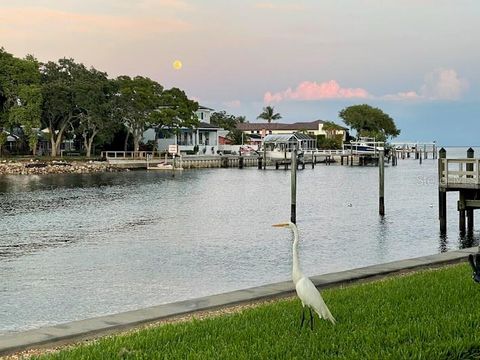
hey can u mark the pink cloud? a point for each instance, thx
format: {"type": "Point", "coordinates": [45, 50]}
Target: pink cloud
{"type": "Point", "coordinates": [308, 90]}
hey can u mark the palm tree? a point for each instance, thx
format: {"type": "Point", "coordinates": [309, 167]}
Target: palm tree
{"type": "Point", "coordinates": [268, 114]}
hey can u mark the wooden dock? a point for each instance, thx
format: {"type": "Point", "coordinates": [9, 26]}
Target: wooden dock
{"type": "Point", "coordinates": [416, 150]}
{"type": "Point", "coordinates": [146, 159]}
{"type": "Point", "coordinates": [461, 175]}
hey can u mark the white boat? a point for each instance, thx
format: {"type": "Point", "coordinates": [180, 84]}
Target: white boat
{"type": "Point", "coordinates": [278, 154]}
{"type": "Point", "coordinates": [163, 166]}
{"type": "Point", "coordinates": [364, 146]}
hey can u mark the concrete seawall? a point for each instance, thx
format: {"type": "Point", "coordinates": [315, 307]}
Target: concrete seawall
{"type": "Point", "coordinates": [104, 325]}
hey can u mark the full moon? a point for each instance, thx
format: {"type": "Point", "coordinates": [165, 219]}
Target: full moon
{"type": "Point", "coordinates": [177, 64]}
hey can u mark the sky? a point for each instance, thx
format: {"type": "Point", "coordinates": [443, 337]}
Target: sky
{"type": "Point", "coordinates": [418, 60]}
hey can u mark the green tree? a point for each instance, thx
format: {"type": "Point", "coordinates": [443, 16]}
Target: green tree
{"type": "Point", "coordinates": [94, 94]}
{"type": "Point", "coordinates": [331, 129]}
{"type": "Point", "coordinates": [136, 102]}
{"type": "Point", "coordinates": [223, 120]}
{"type": "Point", "coordinates": [20, 95]}
{"type": "Point", "coordinates": [175, 111]}
{"type": "Point", "coordinates": [230, 122]}
{"type": "Point", "coordinates": [59, 108]}
{"type": "Point", "coordinates": [369, 122]}
{"type": "Point", "coordinates": [268, 114]}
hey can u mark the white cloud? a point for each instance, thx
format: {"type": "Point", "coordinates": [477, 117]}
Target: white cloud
{"type": "Point", "coordinates": [439, 84]}
{"type": "Point", "coordinates": [443, 84]}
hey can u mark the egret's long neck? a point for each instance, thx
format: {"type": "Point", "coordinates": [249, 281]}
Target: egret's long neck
{"type": "Point", "coordinates": [296, 272]}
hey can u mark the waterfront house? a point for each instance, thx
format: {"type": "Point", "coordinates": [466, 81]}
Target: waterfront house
{"type": "Point", "coordinates": [279, 146]}
{"type": "Point", "coordinates": [312, 128]}
{"type": "Point", "coordinates": [202, 140]}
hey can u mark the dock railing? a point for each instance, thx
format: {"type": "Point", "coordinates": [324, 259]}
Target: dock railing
{"type": "Point", "coordinates": [459, 172]}
{"type": "Point", "coordinates": [131, 154]}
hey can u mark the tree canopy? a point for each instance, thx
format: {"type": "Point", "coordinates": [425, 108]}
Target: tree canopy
{"type": "Point", "coordinates": [20, 94]}
{"type": "Point", "coordinates": [83, 104]}
{"type": "Point", "coordinates": [229, 122]}
{"type": "Point", "coordinates": [136, 101]}
{"type": "Point", "coordinates": [369, 121]}
{"type": "Point", "coordinates": [268, 114]}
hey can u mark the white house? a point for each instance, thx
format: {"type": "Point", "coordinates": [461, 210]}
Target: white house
{"type": "Point", "coordinates": [205, 137]}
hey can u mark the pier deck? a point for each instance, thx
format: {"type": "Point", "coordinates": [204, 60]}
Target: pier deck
{"type": "Point", "coordinates": [458, 174]}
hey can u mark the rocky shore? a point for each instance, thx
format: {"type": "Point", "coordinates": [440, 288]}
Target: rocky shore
{"type": "Point", "coordinates": [36, 167]}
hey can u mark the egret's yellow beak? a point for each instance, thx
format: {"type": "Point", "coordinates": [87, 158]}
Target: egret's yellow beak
{"type": "Point", "coordinates": [281, 225]}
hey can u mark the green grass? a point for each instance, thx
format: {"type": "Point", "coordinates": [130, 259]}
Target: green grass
{"type": "Point", "coordinates": [427, 315]}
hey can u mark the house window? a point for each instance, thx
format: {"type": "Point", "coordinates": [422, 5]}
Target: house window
{"type": "Point", "coordinates": [201, 115]}
{"type": "Point", "coordinates": [258, 132]}
{"type": "Point", "coordinates": [252, 132]}
{"type": "Point", "coordinates": [270, 132]}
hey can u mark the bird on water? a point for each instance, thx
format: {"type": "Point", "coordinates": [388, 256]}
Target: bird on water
{"type": "Point", "coordinates": [306, 290]}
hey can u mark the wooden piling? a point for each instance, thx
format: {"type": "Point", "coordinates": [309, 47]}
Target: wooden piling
{"type": "Point", "coordinates": [264, 155]}
{"type": "Point", "coordinates": [381, 187]}
{"type": "Point", "coordinates": [461, 213]}
{"type": "Point", "coordinates": [259, 163]}
{"type": "Point", "coordinates": [293, 207]}
{"type": "Point", "coordinates": [240, 162]}
{"type": "Point", "coordinates": [470, 213]}
{"type": "Point", "coordinates": [442, 195]}
{"type": "Point", "coordinates": [470, 221]}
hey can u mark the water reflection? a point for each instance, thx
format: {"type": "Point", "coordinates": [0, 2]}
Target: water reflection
{"type": "Point", "coordinates": [140, 238]}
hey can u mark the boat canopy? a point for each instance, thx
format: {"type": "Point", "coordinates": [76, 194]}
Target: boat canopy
{"type": "Point", "coordinates": [305, 142]}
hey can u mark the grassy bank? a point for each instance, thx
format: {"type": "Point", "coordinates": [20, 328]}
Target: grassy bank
{"type": "Point", "coordinates": [427, 315]}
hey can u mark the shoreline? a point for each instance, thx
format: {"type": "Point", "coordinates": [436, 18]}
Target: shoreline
{"type": "Point", "coordinates": [38, 167]}
{"type": "Point", "coordinates": [88, 329]}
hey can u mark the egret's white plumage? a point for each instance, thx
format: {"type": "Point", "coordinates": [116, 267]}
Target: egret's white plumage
{"type": "Point", "coordinates": [306, 290]}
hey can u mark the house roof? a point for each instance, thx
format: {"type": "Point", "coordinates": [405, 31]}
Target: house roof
{"type": "Point", "coordinates": [200, 107]}
{"type": "Point", "coordinates": [312, 125]}
{"type": "Point", "coordinates": [285, 138]}
{"type": "Point", "coordinates": [11, 137]}
{"type": "Point", "coordinates": [204, 125]}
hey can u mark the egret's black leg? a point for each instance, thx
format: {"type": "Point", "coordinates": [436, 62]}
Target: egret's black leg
{"type": "Point", "coordinates": [311, 319]}
{"type": "Point", "coordinates": [303, 317]}
{"type": "Point", "coordinates": [472, 262]}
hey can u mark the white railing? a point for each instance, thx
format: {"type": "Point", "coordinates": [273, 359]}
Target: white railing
{"type": "Point", "coordinates": [322, 152]}
{"type": "Point", "coordinates": [131, 154]}
{"type": "Point", "coordinates": [459, 172]}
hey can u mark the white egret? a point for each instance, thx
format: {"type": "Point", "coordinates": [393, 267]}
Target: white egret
{"type": "Point", "coordinates": [306, 290]}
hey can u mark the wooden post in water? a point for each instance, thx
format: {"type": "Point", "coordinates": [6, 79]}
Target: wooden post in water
{"type": "Point", "coordinates": [470, 217]}
{"type": "Point", "coordinates": [442, 195]}
{"type": "Point", "coordinates": [259, 163]}
{"type": "Point", "coordinates": [293, 208]}
{"type": "Point", "coordinates": [461, 213]}
{"type": "Point", "coordinates": [264, 155]}
{"type": "Point", "coordinates": [240, 162]}
{"type": "Point", "coordinates": [381, 187]}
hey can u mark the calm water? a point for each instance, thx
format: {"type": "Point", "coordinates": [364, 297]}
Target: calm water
{"type": "Point", "coordinates": [78, 246]}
